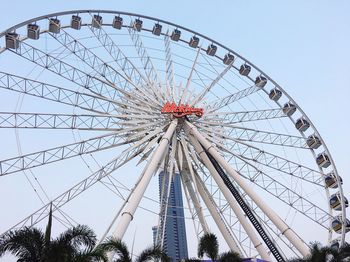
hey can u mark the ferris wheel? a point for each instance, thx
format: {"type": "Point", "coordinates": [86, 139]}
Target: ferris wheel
{"type": "Point", "coordinates": [145, 94]}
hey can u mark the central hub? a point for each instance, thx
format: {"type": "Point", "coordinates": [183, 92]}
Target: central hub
{"type": "Point", "coordinates": [181, 110]}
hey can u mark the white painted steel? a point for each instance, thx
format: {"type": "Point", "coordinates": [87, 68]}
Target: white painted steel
{"type": "Point", "coordinates": [229, 198]}
{"type": "Point", "coordinates": [215, 213]}
{"type": "Point", "coordinates": [297, 242]}
{"type": "Point", "coordinates": [135, 198]}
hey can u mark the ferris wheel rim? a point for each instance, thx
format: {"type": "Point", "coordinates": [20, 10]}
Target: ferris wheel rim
{"type": "Point", "coordinates": [209, 39]}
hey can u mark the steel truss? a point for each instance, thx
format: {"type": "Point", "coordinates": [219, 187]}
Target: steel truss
{"type": "Point", "coordinates": [224, 158]}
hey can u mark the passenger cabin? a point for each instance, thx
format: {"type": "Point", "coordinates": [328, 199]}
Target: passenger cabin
{"type": "Point", "coordinates": [337, 224]}
{"type": "Point", "coordinates": [260, 81]}
{"type": "Point", "coordinates": [33, 31]}
{"type": "Point", "coordinates": [12, 40]}
{"type": "Point", "coordinates": [117, 22]}
{"type": "Point", "coordinates": [175, 35]}
{"type": "Point", "coordinates": [313, 142]}
{"type": "Point", "coordinates": [335, 202]}
{"type": "Point", "coordinates": [331, 180]}
{"type": "Point", "coordinates": [211, 50]}
{"type": "Point", "coordinates": [138, 24]}
{"type": "Point", "coordinates": [54, 25]}
{"type": "Point", "coordinates": [302, 124]}
{"type": "Point", "coordinates": [228, 59]}
{"type": "Point", "coordinates": [244, 70]}
{"type": "Point", "coordinates": [289, 109]}
{"type": "Point", "coordinates": [322, 160]}
{"type": "Point", "coordinates": [275, 94]}
{"type": "Point", "coordinates": [194, 42]}
{"type": "Point", "coordinates": [157, 29]}
{"type": "Point", "coordinates": [75, 22]}
{"type": "Point", "coordinates": [97, 21]}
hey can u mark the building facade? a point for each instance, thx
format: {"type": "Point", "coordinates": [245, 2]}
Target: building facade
{"type": "Point", "coordinates": [175, 242]}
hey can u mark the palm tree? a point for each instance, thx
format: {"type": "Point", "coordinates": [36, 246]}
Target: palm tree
{"type": "Point", "coordinates": [208, 245]}
{"type": "Point", "coordinates": [321, 253]}
{"type": "Point", "coordinates": [32, 245]}
{"type": "Point", "coordinates": [230, 256]}
{"type": "Point", "coordinates": [344, 252]}
{"type": "Point", "coordinates": [118, 247]}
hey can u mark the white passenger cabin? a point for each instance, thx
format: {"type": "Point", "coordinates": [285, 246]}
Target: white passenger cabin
{"type": "Point", "coordinates": [75, 22]}
{"type": "Point", "coordinates": [33, 31]}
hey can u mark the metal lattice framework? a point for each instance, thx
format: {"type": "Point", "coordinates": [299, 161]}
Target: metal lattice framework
{"type": "Point", "coordinates": [253, 167]}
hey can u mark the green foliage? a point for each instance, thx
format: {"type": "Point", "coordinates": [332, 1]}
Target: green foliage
{"type": "Point", "coordinates": [320, 253]}
{"type": "Point", "coordinates": [122, 253]}
{"type": "Point", "coordinates": [32, 245]}
{"type": "Point", "coordinates": [208, 245]}
{"type": "Point", "coordinates": [230, 257]}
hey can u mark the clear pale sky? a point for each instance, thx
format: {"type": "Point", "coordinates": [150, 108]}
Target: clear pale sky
{"type": "Point", "coordinates": [302, 45]}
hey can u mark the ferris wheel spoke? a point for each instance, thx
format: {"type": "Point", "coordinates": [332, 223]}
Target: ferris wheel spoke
{"type": "Point", "coordinates": [270, 228]}
{"type": "Point", "coordinates": [57, 66]}
{"type": "Point", "coordinates": [51, 155]}
{"type": "Point", "coordinates": [231, 200]}
{"type": "Point", "coordinates": [150, 70]}
{"type": "Point", "coordinates": [126, 66]}
{"type": "Point", "coordinates": [169, 69]}
{"type": "Point", "coordinates": [208, 88]}
{"type": "Point", "coordinates": [151, 167]}
{"type": "Point", "coordinates": [188, 178]}
{"type": "Point", "coordinates": [282, 192]}
{"type": "Point", "coordinates": [221, 223]}
{"type": "Point", "coordinates": [269, 225]}
{"type": "Point", "coordinates": [240, 133]}
{"type": "Point", "coordinates": [151, 138]}
{"type": "Point", "coordinates": [275, 162]}
{"type": "Point", "coordinates": [54, 93]}
{"type": "Point", "coordinates": [184, 99]}
{"type": "Point", "coordinates": [76, 190]}
{"type": "Point", "coordinates": [270, 160]}
{"type": "Point", "coordinates": [168, 172]}
{"type": "Point", "coordinates": [192, 131]}
{"type": "Point", "coordinates": [59, 121]}
{"type": "Point", "coordinates": [100, 67]}
{"type": "Point", "coordinates": [227, 100]}
{"type": "Point", "coordinates": [229, 118]}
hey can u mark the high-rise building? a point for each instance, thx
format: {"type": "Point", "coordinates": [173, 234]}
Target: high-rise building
{"type": "Point", "coordinates": [175, 242]}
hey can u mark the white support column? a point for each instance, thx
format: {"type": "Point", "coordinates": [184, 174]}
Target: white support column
{"type": "Point", "coordinates": [135, 198]}
{"type": "Point", "coordinates": [187, 183]}
{"type": "Point", "coordinates": [294, 239]}
{"type": "Point", "coordinates": [215, 213]}
{"type": "Point", "coordinates": [230, 199]}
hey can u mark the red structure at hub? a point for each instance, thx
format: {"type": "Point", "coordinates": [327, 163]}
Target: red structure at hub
{"type": "Point", "coordinates": [181, 110]}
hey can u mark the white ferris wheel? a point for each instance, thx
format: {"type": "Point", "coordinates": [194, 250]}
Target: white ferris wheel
{"type": "Point", "coordinates": [139, 92]}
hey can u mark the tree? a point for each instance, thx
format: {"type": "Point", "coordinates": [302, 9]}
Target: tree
{"type": "Point", "coordinates": [118, 247]}
{"type": "Point", "coordinates": [344, 252]}
{"type": "Point", "coordinates": [208, 245]}
{"type": "Point", "coordinates": [230, 256]}
{"type": "Point", "coordinates": [324, 253]}
{"type": "Point", "coordinates": [32, 245]}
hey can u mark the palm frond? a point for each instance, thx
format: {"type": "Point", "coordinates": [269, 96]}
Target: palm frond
{"type": "Point", "coordinates": [78, 237]}
{"type": "Point", "coordinates": [26, 244]}
{"type": "Point", "coordinates": [117, 246]}
{"type": "Point", "coordinates": [230, 256]}
{"type": "Point", "coordinates": [151, 254]}
{"type": "Point", "coordinates": [208, 245]}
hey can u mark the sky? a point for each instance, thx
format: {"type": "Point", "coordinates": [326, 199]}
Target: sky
{"type": "Point", "coordinates": [302, 45]}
